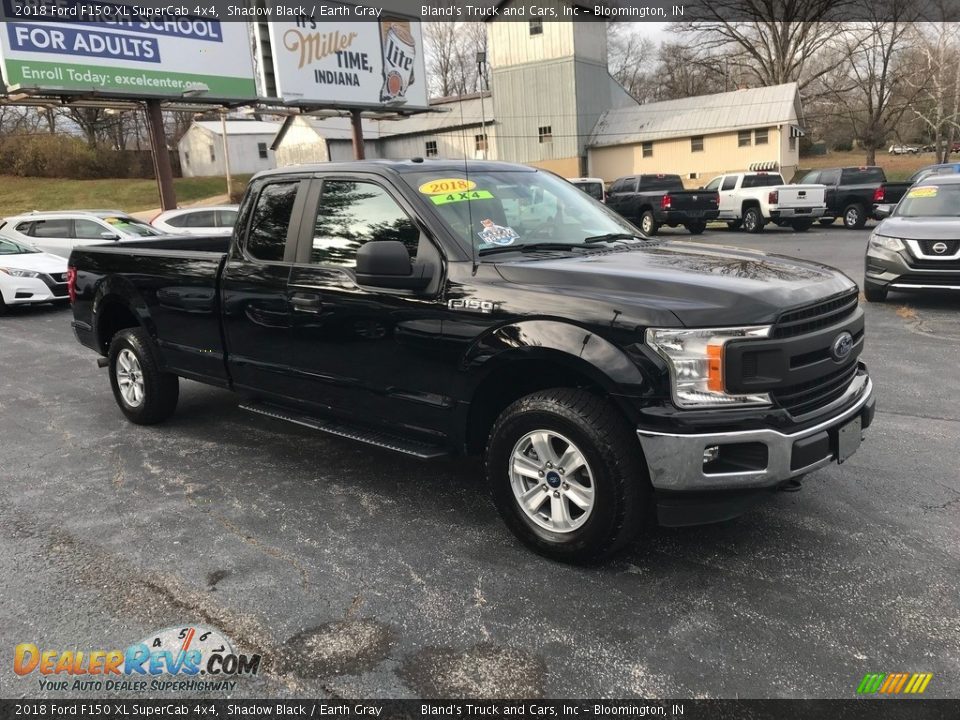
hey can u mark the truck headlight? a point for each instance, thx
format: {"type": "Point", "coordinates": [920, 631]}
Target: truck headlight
{"type": "Point", "coordinates": [696, 362]}
{"type": "Point", "coordinates": [15, 272]}
{"type": "Point", "coordinates": [886, 243]}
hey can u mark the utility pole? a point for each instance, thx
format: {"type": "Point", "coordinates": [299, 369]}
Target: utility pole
{"type": "Point", "coordinates": [161, 157]}
{"type": "Point", "coordinates": [481, 62]}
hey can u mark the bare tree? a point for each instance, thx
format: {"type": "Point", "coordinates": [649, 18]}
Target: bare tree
{"type": "Point", "coordinates": [869, 92]}
{"type": "Point", "coordinates": [774, 41]}
{"type": "Point", "coordinates": [680, 73]}
{"type": "Point", "coordinates": [451, 49]}
{"type": "Point", "coordinates": [935, 61]}
{"type": "Point", "coordinates": [631, 59]}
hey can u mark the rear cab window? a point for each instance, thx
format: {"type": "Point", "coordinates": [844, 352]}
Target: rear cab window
{"type": "Point", "coordinates": [862, 176]}
{"type": "Point", "coordinates": [762, 180]}
{"type": "Point", "coordinates": [660, 182]}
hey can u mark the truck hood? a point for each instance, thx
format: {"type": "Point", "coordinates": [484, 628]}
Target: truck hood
{"type": "Point", "coordinates": [702, 285]}
{"type": "Point", "coordinates": [920, 228]}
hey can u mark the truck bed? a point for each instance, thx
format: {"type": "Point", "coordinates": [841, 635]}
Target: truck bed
{"type": "Point", "coordinates": [176, 278]}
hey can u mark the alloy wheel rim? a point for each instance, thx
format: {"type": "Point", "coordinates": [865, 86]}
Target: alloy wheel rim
{"type": "Point", "coordinates": [130, 378]}
{"type": "Point", "coordinates": [552, 481]}
{"type": "Point", "coordinates": [852, 216]}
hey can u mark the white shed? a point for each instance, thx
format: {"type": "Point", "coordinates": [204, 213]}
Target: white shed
{"type": "Point", "coordinates": [248, 141]}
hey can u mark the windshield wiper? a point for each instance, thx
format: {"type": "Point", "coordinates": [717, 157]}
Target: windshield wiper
{"type": "Point", "coordinates": [533, 247]}
{"type": "Point", "coordinates": [612, 237]}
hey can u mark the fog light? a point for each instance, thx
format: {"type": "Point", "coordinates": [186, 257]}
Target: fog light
{"type": "Point", "coordinates": [711, 453]}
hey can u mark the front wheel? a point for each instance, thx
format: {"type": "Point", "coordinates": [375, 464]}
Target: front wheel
{"type": "Point", "coordinates": [145, 394]}
{"type": "Point", "coordinates": [696, 228]}
{"type": "Point", "coordinates": [753, 221]}
{"type": "Point", "coordinates": [648, 224]}
{"type": "Point", "coordinates": [566, 475]}
{"type": "Point", "coordinates": [854, 217]}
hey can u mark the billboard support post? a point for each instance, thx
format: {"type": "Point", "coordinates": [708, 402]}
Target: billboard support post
{"type": "Point", "coordinates": [357, 128]}
{"type": "Point", "coordinates": [161, 158]}
{"type": "Point", "coordinates": [226, 154]}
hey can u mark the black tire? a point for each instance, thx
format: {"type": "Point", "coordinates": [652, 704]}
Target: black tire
{"type": "Point", "coordinates": [604, 439]}
{"type": "Point", "coordinates": [734, 224]}
{"type": "Point", "coordinates": [854, 216]}
{"type": "Point", "coordinates": [3, 305]}
{"type": "Point", "coordinates": [826, 221]}
{"type": "Point", "coordinates": [753, 221]}
{"type": "Point", "coordinates": [801, 225]}
{"type": "Point", "coordinates": [874, 294]}
{"type": "Point", "coordinates": [696, 228]}
{"type": "Point", "coordinates": [648, 224]}
{"type": "Point", "coordinates": [160, 390]}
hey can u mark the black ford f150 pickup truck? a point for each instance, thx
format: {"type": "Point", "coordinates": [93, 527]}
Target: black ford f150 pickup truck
{"type": "Point", "coordinates": [650, 201]}
{"type": "Point", "coordinates": [489, 309]}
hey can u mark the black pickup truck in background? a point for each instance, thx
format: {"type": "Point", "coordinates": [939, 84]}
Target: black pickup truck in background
{"type": "Point", "coordinates": [649, 201]}
{"type": "Point", "coordinates": [435, 308]}
{"type": "Point", "coordinates": [853, 193]}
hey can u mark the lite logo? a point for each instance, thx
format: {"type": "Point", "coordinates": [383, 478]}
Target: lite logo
{"type": "Point", "coordinates": [894, 683]}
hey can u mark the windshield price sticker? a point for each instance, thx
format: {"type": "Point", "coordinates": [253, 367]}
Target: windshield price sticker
{"type": "Point", "coordinates": [928, 191]}
{"type": "Point", "coordinates": [446, 185]}
{"type": "Point", "coordinates": [462, 196]}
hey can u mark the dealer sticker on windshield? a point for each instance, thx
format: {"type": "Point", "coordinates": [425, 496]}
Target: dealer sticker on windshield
{"type": "Point", "coordinates": [497, 234]}
{"type": "Point", "coordinates": [927, 191]}
{"type": "Point", "coordinates": [442, 186]}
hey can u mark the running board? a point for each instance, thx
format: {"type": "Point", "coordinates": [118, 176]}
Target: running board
{"type": "Point", "coordinates": [422, 450]}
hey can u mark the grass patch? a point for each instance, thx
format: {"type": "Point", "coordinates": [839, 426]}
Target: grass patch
{"type": "Point", "coordinates": [23, 194]}
{"type": "Point", "coordinates": [897, 167]}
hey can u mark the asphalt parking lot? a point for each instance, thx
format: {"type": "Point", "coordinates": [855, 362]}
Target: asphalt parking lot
{"type": "Point", "coordinates": [359, 573]}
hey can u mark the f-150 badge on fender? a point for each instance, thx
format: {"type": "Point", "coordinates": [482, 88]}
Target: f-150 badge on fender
{"type": "Point", "coordinates": [483, 306]}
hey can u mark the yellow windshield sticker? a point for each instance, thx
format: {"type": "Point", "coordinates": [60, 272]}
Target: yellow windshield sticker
{"type": "Point", "coordinates": [927, 191]}
{"type": "Point", "coordinates": [461, 196]}
{"type": "Point", "coordinates": [446, 185]}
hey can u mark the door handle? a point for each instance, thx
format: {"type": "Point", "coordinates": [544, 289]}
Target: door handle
{"type": "Point", "coordinates": [305, 302]}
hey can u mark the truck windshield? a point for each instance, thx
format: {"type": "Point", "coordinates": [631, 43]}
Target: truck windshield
{"type": "Point", "coordinates": [930, 201]}
{"type": "Point", "coordinates": [514, 208]}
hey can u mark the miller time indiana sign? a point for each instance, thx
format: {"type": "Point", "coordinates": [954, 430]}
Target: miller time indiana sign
{"type": "Point", "coordinates": [349, 63]}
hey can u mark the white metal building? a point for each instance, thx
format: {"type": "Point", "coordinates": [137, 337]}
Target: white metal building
{"type": "Point", "coordinates": [201, 147]}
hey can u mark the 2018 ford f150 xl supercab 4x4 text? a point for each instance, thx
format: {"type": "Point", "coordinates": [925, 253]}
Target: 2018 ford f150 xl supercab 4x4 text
{"type": "Point", "coordinates": [491, 309]}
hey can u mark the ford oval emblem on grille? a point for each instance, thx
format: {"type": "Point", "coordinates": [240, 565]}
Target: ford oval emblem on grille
{"type": "Point", "coordinates": [842, 345]}
{"type": "Point", "coordinates": [940, 248]}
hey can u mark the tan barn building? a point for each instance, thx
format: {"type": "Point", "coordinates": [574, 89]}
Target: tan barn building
{"type": "Point", "coordinates": [700, 137]}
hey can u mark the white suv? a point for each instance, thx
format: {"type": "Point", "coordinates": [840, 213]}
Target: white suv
{"type": "Point", "coordinates": [59, 232]}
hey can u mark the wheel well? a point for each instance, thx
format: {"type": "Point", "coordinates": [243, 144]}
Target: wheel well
{"type": "Point", "coordinates": [749, 204]}
{"type": "Point", "coordinates": [853, 201]}
{"type": "Point", "coordinates": [510, 383]}
{"type": "Point", "coordinates": [113, 317]}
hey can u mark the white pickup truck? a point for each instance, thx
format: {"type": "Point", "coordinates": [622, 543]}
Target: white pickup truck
{"type": "Point", "coordinates": [755, 198]}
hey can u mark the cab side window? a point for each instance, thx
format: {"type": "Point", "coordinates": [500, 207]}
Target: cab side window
{"type": "Point", "coordinates": [353, 213]}
{"type": "Point", "coordinates": [729, 182]}
{"type": "Point", "coordinates": [713, 184]}
{"type": "Point", "coordinates": [811, 178]}
{"type": "Point", "coordinates": [271, 220]}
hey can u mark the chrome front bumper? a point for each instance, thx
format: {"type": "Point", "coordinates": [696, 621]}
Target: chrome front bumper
{"type": "Point", "coordinates": [675, 461]}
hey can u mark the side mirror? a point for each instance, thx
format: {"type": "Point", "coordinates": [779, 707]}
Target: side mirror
{"type": "Point", "coordinates": [107, 235]}
{"type": "Point", "coordinates": [883, 211]}
{"type": "Point", "coordinates": [387, 264]}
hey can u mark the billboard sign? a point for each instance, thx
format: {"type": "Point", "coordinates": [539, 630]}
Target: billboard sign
{"type": "Point", "coordinates": [346, 63]}
{"type": "Point", "coordinates": [116, 50]}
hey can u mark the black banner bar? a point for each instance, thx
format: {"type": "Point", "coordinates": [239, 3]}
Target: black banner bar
{"type": "Point", "coordinates": [853, 709]}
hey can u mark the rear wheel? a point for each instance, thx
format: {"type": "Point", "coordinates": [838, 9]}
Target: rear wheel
{"type": "Point", "coordinates": [874, 294]}
{"type": "Point", "coordinates": [826, 221]}
{"type": "Point", "coordinates": [801, 225]}
{"type": "Point", "coordinates": [753, 221]}
{"type": "Point", "coordinates": [566, 475]}
{"type": "Point", "coordinates": [854, 216]}
{"type": "Point", "coordinates": [696, 228]}
{"type": "Point", "coordinates": [145, 394]}
{"type": "Point", "coordinates": [648, 224]}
